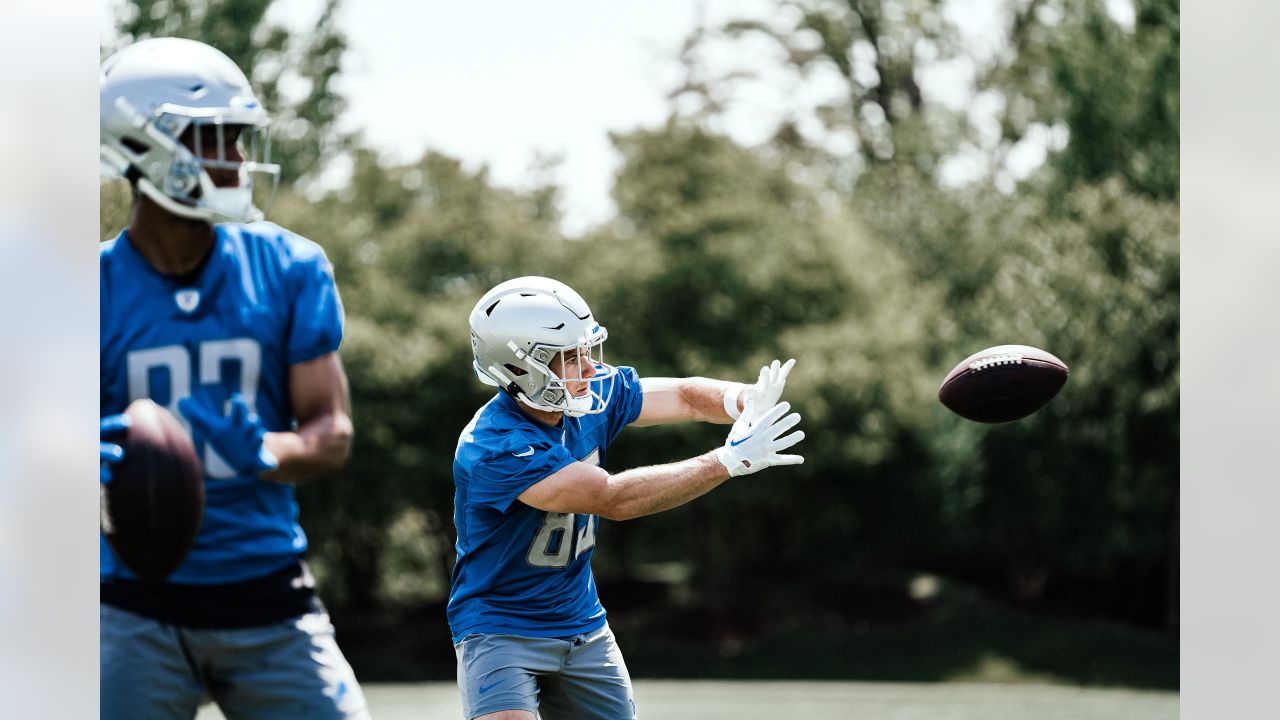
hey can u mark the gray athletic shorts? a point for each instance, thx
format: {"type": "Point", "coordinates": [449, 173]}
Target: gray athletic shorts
{"type": "Point", "coordinates": [284, 671]}
{"type": "Point", "coordinates": [582, 676]}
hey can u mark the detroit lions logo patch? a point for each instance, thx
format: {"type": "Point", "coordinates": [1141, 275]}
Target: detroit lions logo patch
{"type": "Point", "coordinates": [187, 299]}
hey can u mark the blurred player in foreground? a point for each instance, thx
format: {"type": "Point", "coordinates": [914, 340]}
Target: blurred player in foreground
{"type": "Point", "coordinates": [234, 326]}
{"type": "Point", "coordinates": [528, 628]}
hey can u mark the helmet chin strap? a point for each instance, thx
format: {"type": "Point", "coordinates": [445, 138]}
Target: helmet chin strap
{"type": "Point", "coordinates": [170, 205]}
{"type": "Point", "coordinates": [229, 203]}
{"type": "Point", "coordinates": [222, 209]}
{"type": "Point", "coordinates": [572, 406]}
{"type": "Point", "coordinates": [578, 406]}
{"type": "Point", "coordinates": [540, 405]}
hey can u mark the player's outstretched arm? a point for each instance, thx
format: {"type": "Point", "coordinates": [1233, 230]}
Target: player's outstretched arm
{"type": "Point", "coordinates": [668, 400]}
{"type": "Point", "coordinates": [584, 488]}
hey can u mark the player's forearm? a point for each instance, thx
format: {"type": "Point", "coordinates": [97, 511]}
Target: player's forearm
{"type": "Point", "coordinates": [319, 447]}
{"type": "Point", "coordinates": [705, 398]}
{"type": "Point", "coordinates": [647, 490]}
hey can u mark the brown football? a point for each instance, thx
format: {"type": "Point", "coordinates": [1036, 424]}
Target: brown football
{"type": "Point", "coordinates": [1003, 383]}
{"type": "Point", "coordinates": [153, 506]}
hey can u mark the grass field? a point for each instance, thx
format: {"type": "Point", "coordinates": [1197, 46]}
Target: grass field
{"type": "Point", "coordinates": [963, 658]}
{"type": "Point", "coordinates": [770, 700]}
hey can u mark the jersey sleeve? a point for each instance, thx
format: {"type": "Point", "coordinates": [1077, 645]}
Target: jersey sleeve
{"type": "Point", "coordinates": [500, 478]}
{"type": "Point", "coordinates": [317, 315]}
{"type": "Point", "coordinates": [626, 403]}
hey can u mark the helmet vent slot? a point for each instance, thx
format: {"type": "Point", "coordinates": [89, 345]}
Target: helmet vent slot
{"type": "Point", "coordinates": [134, 145]}
{"type": "Point", "coordinates": [489, 310]}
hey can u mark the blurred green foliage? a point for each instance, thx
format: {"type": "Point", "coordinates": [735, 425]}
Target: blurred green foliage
{"type": "Point", "coordinates": [870, 270]}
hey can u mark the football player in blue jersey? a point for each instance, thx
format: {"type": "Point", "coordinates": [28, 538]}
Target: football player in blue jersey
{"type": "Point", "coordinates": [528, 628]}
{"type": "Point", "coordinates": [233, 324]}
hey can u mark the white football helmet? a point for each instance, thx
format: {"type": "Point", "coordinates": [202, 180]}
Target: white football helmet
{"type": "Point", "coordinates": [150, 93]}
{"type": "Point", "coordinates": [523, 327]}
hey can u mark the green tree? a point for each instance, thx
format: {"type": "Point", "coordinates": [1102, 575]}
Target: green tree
{"type": "Point", "coordinates": [720, 261]}
{"type": "Point", "coordinates": [1083, 493]}
{"type": "Point", "coordinates": [1081, 258]}
{"type": "Point", "coordinates": [877, 48]}
{"type": "Point", "coordinates": [1115, 89]}
{"type": "Point", "coordinates": [871, 271]}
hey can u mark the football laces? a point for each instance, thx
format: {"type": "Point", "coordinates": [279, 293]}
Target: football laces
{"type": "Point", "coordinates": [1007, 359]}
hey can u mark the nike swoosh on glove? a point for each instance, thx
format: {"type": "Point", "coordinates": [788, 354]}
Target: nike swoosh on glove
{"type": "Point", "coordinates": [754, 446]}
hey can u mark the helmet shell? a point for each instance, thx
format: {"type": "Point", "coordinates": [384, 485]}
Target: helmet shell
{"type": "Point", "coordinates": [517, 329]}
{"type": "Point", "coordinates": [149, 94]}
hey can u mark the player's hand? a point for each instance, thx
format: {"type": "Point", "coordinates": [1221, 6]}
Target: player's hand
{"type": "Point", "coordinates": [752, 447]}
{"type": "Point", "coordinates": [238, 436]}
{"type": "Point", "coordinates": [768, 388]}
{"type": "Point", "coordinates": [110, 453]}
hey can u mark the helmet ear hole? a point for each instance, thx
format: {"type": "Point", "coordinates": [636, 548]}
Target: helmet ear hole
{"type": "Point", "coordinates": [134, 145]}
{"type": "Point", "coordinates": [516, 371]}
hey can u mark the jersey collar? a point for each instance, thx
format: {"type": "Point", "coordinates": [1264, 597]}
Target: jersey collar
{"type": "Point", "coordinates": [204, 284]}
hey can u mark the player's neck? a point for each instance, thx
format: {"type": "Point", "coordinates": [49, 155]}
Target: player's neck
{"type": "Point", "coordinates": [172, 244]}
{"type": "Point", "coordinates": [550, 418]}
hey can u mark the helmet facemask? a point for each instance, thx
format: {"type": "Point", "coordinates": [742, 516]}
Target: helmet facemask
{"type": "Point", "coordinates": [180, 176]}
{"type": "Point", "coordinates": [253, 146]}
{"type": "Point", "coordinates": [582, 384]}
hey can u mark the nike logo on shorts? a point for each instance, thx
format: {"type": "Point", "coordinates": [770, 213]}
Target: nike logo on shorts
{"type": "Point", "coordinates": [486, 688]}
{"type": "Point", "coordinates": [526, 453]}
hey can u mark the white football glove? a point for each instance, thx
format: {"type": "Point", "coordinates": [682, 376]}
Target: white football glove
{"type": "Point", "coordinates": [768, 389]}
{"type": "Point", "coordinates": [752, 447]}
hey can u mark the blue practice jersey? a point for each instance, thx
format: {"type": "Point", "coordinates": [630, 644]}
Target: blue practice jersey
{"type": "Point", "coordinates": [265, 300]}
{"type": "Point", "coordinates": [520, 570]}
